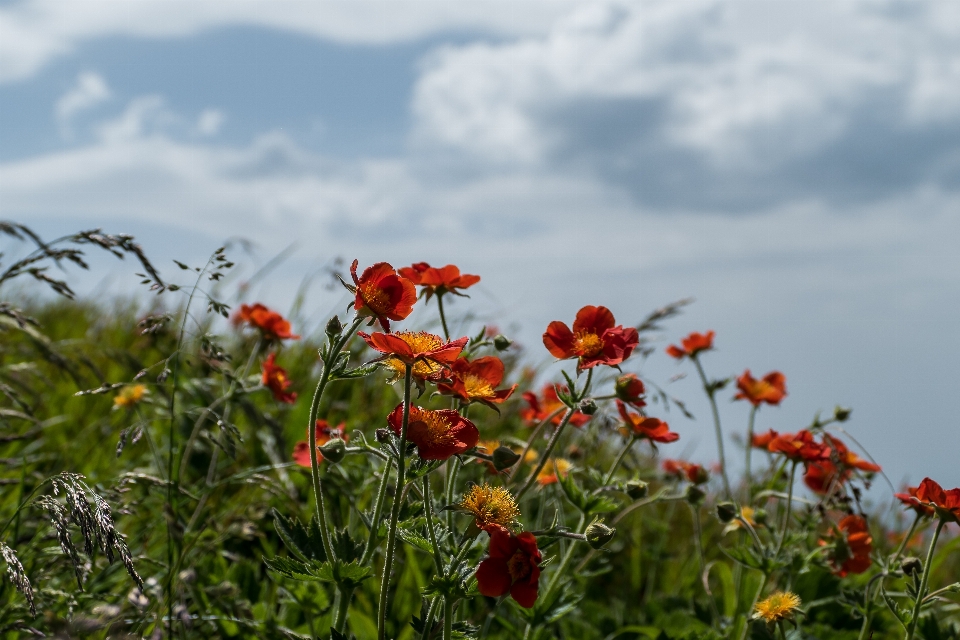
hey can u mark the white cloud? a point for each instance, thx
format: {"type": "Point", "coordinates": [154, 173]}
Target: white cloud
{"type": "Point", "coordinates": [91, 89]}
{"type": "Point", "coordinates": [210, 121]}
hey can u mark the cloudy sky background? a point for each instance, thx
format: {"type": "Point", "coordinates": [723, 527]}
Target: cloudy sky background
{"type": "Point", "coordinates": [794, 166]}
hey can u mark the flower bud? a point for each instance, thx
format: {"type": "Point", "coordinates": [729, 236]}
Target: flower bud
{"type": "Point", "coordinates": [504, 458]}
{"type": "Point", "coordinates": [637, 489]}
{"type": "Point", "coordinates": [334, 450]}
{"type": "Point", "coordinates": [599, 534]}
{"type": "Point", "coordinates": [911, 566]}
{"type": "Point", "coordinates": [588, 406]}
{"type": "Point", "coordinates": [760, 515]}
{"type": "Point", "coordinates": [382, 435]}
{"type": "Point", "coordinates": [695, 494]}
{"type": "Point", "coordinates": [501, 342]}
{"type": "Point", "coordinates": [334, 327]}
{"type": "Point", "coordinates": [726, 512]}
{"type": "Point", "coordinates": [698, 475]}
{"type": "Point", "coordinates": [841, 414]}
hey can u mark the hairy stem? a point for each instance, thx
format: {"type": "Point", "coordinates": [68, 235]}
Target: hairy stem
{"type": "Point", "coordinates": [711, 395]}
{"type": "Point", "coordinates": [921, 592]}
{"type": "Point", "coordinates": [786, 518]}
{"type": "Point", "coordinates": [616, 463]}
{"type": "Point", "coordinates": [428, 511]}
{"type": "Point", "coordinates": [377, 514]}
{"type": "Point", "coordinates": [749, 476]}
{"type": "Point", "coordinates": [443, 318]}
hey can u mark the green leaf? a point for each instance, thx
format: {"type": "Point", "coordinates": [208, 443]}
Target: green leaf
{"type": "Point", "coordinates": [305, 543]}
{"type": "Point", "coordinates": [310, 570]}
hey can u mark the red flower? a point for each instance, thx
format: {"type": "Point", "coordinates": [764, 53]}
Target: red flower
{"type": "Point", "coordinates": [771, 388]}
{"type": "Point", "coordinates": [437, 434]}
{"type": "Point", "coordinates": [476, 381]}
{"type": "Point", "coordinates": [820, 475]}
{"type": "Point", "coordinates": [275, 378]}
{"type": "Point", "coordinates": [910, 499]}
{"type": "Point", "coordinates": [546, 404]}
{"type": "Point", "coordinates": [594, 339]}
{"type": "Point", "coordinates": [799, 447]}
{"type": "Point", "coordinates": [763, 440]}
{"type": "Point", "coordinates": [438, 281]}
{"type": "Point", "coordinates": [512, 566]}
{"type": "Point", "coordinates": [695, 473]}
{"type": "Point", "coordinates": [270, 323]}
{"type": "Point", "coordinates": [652, 429]}
{"type": "Point", "coordinates": [425, 351]}
{"type": "Point", "coordinates": [382, 293]}
{"type": "Point", "coordinates": [946, 503]}
{"type": "Point", "coordinates": [847, 458]}
{"type": "Point", "coordinates": [301, 450]}
{"type": "Point", "coordinates": [854, 546]}
{"type": "Point", "coordinates": [692, 345]}
{"type": "Point", "coordinates": [630, 389]}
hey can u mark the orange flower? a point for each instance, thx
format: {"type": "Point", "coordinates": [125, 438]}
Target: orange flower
{"type": "Point", "coordinates": [512, 565]}
{"type": "Point", "coordinates": [854, 544]}
{"type": "Point", "coordinates": [437, 434]}
{"type": "Point", "coordinates": [438, 281]}
{"type": "Point", "coordinates": [555, 469]}
{"type": "Point", "coordinates": [692, 345]}
{"type": "Point", "coordinates": [820, 475]}
{"type": "Point", "coordinates": [910, 499]}
{"type": "Point", "coordinates": [130, 395]}
{"type": "Point", "coordinates": [271, 324]}
{"type": "Point", "coordinates": [693, 472]}
{"type": "Point", "coordinates": [630, 389]}
{"type": "Point", "coordinates": [425, 351]}
{"type": "Point", "coordinates": [382, 294]}
{"type": "Point", "coordinates": [594, 339]}
{"type": "Point", "coordinates": [763, 440]}
{"type": "Point", "coordinates": [476, 381]}
{"type": "Point", "coordinates": [547, 403]}
{"type": "Point", "coordinates": [301, 450]}
{"type": "Point", "coordinates": [799, 447]}
{"type": "Point", "coordinates": [652, 429]}
{"type": "Point", "coordinates": [275, 378]}
{"type": "Point", "coordinates": [946, 503]}
{"type": "Point", "coordinates": [771, 388]}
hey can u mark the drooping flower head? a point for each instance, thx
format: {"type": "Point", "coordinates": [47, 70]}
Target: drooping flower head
{"type": "Point", "coordinates": [629, 388]}
{"type": "Point", "coordinates": [275, 378]}
{"type": "Point", "coordinates": [692, 345]}
{"type": "Point", "coordinates": [427, 352]}
{"type": "Point", "coordinates": [553, 470]}
{"type": "Point", "coordinates": [692, 471]}
{"type": "Point", "coordinates": [325, 433]}
{"type": "Point", "coordinates": [490, 506]}
{"type": "Point", "coordinates": [782, 605]}
{"type": "Point", "coordinates": [476, 381]}
{"type": "Point", "coordinates": [438, 434]}
{"type": "Point", "coordinates": [382, 293]}
{"type": "Point", "coordinates": [539, 409]}
{"type": "Point", "coordinates": [763, 440]}
{"type": "Point", "coordinates": [271, 324]}
{"type": "Point", "coordinates": [799, 447]}
{"type": "Point", "coordinates": [595, 339]}
{"type": "Point", "coordinates": [652, 429]}
{"type": "Point", "coordinates": [853, 546]}
{"type": "Point", "coordinates": [945, 503]}
{"type": "Point", "coordinates": [512, 566]}
{"type": "Point", "coordinates": [771, 388]}
{"type": "Point", "coordinates": [438, 281]}
{"type": "Point", "coordinates": [910, 499]}
{"type": "Point", "coordinates": [130, 395]}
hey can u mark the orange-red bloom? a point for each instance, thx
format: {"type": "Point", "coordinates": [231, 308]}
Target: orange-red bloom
{"type": "Point", "coordinates": [771, 388]}
{"type": "Point", "coordinates": [838, 467]}
{"type": "Point", "coordinates": [553, 470]}
{"type": "Point", "coordinates": [692, 345]}
{"type": "Point", "coordinates": [425, 351]}
{"type": "Point", "coordinates": [546, 404]}
{"type": "Point", "coordinates": [275, 378]}
{"type": "Point", "coordinates": [630, 389]}
{"type": "Point", "coordinates": [799, 447]}
{"type": "Point", "coordinates": [477, 380]}
{"type": "Point", "coordinates": [594, 339]}
{"type": "Point", "coordinates": [438, 281]}
{"type": "Point", "coordinates": [652, 429]}
{"type": "Point", "coordinates": [382, 293]}
{"type": "Point", "coordinates": [301, 450]}
{"type": "Point", "coordinates": [763, 440]}
{"type": "Point", "coordinates": [271, 324]}
{"type": "Point", "coordinates": [693, 472]}
{"type": "Point", "coordinates": [946, 503]}
{"type": "Point", "coordinates": [512, 566]}
{"type": "Point", "coordinates": [852, 554]}
{"type": "Point", "coordinates": [910, 499]}
{"type": "Point", "coordinates": [437, 434]}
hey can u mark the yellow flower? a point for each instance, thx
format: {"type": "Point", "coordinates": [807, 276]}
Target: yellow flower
{"type": "Point", "coordinates": [490, 505]}
{"type": "Point", "coordinates": [780, 606]}
{"type": "Point", "coordinates": [555, 469]}
{"type": "Point", "coordinates": [531, 456]}
{"type": "Point", "coordinates": [130, 395]}
{"type": "Point", "coordinates": [747, 514]}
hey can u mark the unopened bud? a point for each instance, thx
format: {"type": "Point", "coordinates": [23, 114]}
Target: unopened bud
{"type": "Point", "coordinates": [911, 566]}
{"type": "Point", "coordinates": [334, 450]}
{"type": "Point", "coordinates": [382, 435]}
{"type": "Point", "coordinates": [695, 494]}
{"type": "Point", "coordinates": [841, 414]}
{"type": "Point", "coordinates": [699, 475]}
{"type": "Point", "coordinates": [334, 327]}
{"type": "Point", "coordinates": [501, 342]}
{"type": "Point", "coordinates": [637, 489]}
{"type": "Point", "coordinates": [588, 406]}
{"type": "Point", "coordinates": [599, 534]}
{"type": "Point", "coordinates": [760, 516]}
{"type": "Point", "coordinates": [726, 512]}
{"type": "Point", "coordinates": [504, 458]}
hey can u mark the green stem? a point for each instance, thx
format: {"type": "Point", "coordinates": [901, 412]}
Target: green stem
{"type": "Point", "coordinates": [868, 598]}
{"type": "Point", "coordinates": [561, 571]}
{"type": "Point", "coordinates": [698, 537]}
{"type": "Point", "coordinates": [447, 617]}
{"type": "Point", "coordinates": [340, 621]}
{"type": "Point", "coordinates": [533, 437]}
{"type": "Point", "coordinates": [753, 415]}
{"type": "Point", "coordinates": [395, 512]}
{"type": "Point", "coordinates": [428, 619]}
{"type": "Point", "coordinates": [716, 425]}
{"type": "Point", "coordinates": [616, 463]}
{"type": "Point", "coordinates": [377, 514]}
{"type": "Point", "coordinates": [753, 605]}
{"type": "Point", "coordinates": [545, 455]}
{"type": "Point", "coordinates": [786, 519]}
{"type": "Point", "coordinates": [906, 538]}
{"type": "Point", "coordinates": [443, 318]}
{"type": "Point", "coordinates": [450, 481]}
{"type": "Point", "coordinates": [921, 592]}
{"type": "Point", "coordinates": [428, 511]}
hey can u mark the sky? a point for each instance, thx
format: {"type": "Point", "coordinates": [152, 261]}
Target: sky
{"type": "Point", "coordinates": [793, 166]}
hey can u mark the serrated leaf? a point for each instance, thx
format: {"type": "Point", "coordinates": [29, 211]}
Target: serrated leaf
{"type": "Point", "coordinates": [310, 570]}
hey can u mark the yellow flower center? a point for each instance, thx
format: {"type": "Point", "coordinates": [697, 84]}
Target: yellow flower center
{"type": "Point", "coordinates": [780, 606]}
{"type": "Point", "coordinates": [130, 396]}
{"type": "Point", "coordinates": [518, 565]}
{"type": "Point", "coordinates": [490, 505]}
{"type": "Point", "coordinates": [437, 427]}
{"type": "Point", "coordinates": [420, 342]}
{"type": "Point", "coordinates": [376, 298]}
{"type": "Point", "coordinates": [587, 344]}
{"type": "Point", "coordinates": [477, 387]}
